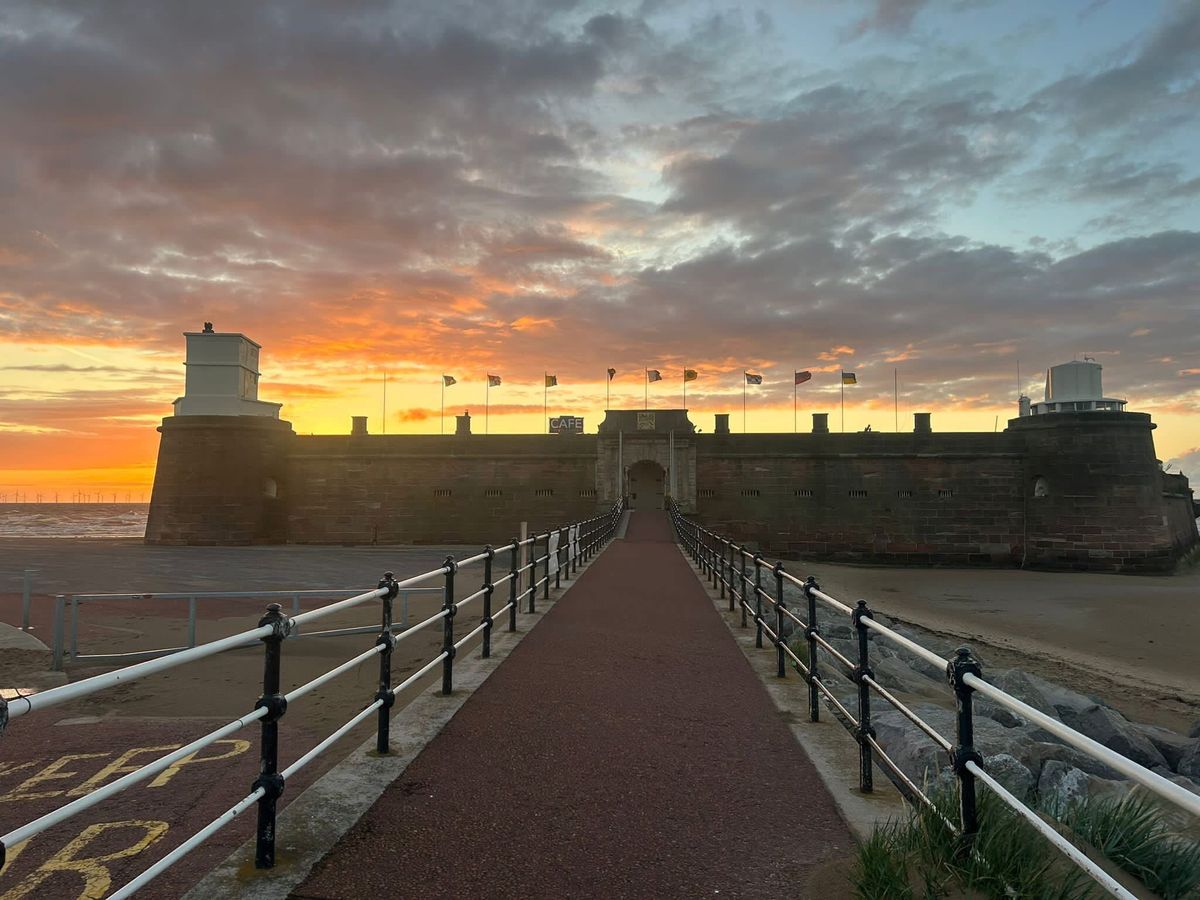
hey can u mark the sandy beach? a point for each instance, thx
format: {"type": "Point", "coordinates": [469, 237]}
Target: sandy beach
{"type": "Point", "coordinates": [1129, 639]}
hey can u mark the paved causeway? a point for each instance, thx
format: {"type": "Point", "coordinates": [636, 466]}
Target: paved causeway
{"type": "Point", "coordinates": [625, 749]}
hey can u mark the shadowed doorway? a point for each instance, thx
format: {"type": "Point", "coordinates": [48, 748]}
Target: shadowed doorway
{"type": "Point", "coordinates": [646, 485]}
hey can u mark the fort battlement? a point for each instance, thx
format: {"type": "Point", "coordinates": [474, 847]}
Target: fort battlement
{"type": "Point", "coordinates": [1079, 490]}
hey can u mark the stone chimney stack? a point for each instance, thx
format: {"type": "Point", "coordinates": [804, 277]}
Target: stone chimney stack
{"type": "Point", "coordinates": [358, 426]}
{"type": "Point", "coordinates": [921, 424]}
{"type": "Point", "coordinates": [464, 423]}
{"type": "Point", "coordinates": [722, 423]}
{"type": "Point", "coordinates": [820, 423]}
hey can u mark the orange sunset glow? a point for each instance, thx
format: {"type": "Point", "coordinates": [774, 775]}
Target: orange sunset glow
{"type": "Point", "coordinates": [403, 190]}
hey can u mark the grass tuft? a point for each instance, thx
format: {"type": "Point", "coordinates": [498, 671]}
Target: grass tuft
{"type": "Point", "coordinates": [1130, 832]}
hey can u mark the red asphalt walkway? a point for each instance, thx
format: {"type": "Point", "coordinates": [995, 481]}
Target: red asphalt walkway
{"type": "Point", "coordinates": [625, 749]}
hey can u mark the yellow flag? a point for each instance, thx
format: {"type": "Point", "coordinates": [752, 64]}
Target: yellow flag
{"type": "Point", "coordinates": [690, 375]}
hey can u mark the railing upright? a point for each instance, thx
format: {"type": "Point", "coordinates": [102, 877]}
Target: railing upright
{"type": "Point", "coordinates": [388, 641]}
{"type": "Point", "coordinates": [814, 704]}
{"type": "Point", "coordinates": [191, 623]}
{"type": "Point", "coordinates": [780, 669]}
{"type": "Point", "coordinates": [965, 752]}
{"type": "Point", "coordinates": [451, 609]}
{"type": "Point", "coordinates": [513, 578]}
{"type": "Point", "coordinates": [532, 574]}
{"type": "Point", "coordinates": [758, 619]}
{"type": "Point", "coordinates": [546, 581]}
{"type": "Point", "coordinates": [269, 781]}
{"type": "Point", "coordinates": [714, 569]}
{"type": "Point", "coordinates": [60, 615]}
{"type": "Point", "coordinates": [721, 571]}
{"type": "Point", "coordinates": [861, 673]}
{"type": "Point", "coordinates": [488, 588]}
{"type": "Point", "coordinates": [558, 561]}
{"type": "Point", "coordinates": [742, 584]}
{"type": "Point", "coordinates": [729, 571]}
{"type": "Point", "coordinates": [27, 597]}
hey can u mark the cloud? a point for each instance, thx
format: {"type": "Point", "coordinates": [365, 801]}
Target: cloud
{"type": "Point", "coordinates": [1148, 92]}
{"type": "Point", "coordinates": [522, 187]}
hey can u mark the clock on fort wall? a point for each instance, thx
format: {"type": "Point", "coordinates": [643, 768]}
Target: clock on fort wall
{"type": "Point", "coordinates": [645, 421]}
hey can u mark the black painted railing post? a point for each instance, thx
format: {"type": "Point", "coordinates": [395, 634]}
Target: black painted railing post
{"type": "Point", "coordinates": [546, 582]}
{"type": "Point", "coordinates": [965, 752]}
{"type": "Point", "coordinates": [513, 578]}
{"type": "Point", "coordinates": [780, 669]}
{"type": "Point", "coordinates": [488, 588]}
{"type": "Point", "coordinates": [388, 641]}
{"type": "Point", "coordinates": [714, 569]}
{"type": "Point", "coordinates": [532, 603]}
{"type": "Point", "coordinates": [269, 779]}
{"type": "Point", "coordinates": [558, 562]}
{"type": "Point", "coordinates": [758, 619]}
{"type": "Point", "coordinates": [451, 610]}
{"type": "Point", "coordinates": [814, 676]}
{"type": "Point", "coordinates": [861, 673]}
{"type": "Point", "coordinates": [742, 584]}
{"type": "Point", "coordinates": [729, 576]}
{"type": "Point", "coordinates": [721, 570]}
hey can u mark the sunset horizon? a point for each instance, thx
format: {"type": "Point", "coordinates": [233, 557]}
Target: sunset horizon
{"type": "Point", "coordinates": [945, 194]}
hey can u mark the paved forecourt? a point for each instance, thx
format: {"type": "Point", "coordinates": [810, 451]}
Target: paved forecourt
{"type": "Point", "coordinates": [625, 749]}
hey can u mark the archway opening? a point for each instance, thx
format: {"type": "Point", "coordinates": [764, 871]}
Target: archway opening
{"type": "Point", "coordinates": [647, 483]}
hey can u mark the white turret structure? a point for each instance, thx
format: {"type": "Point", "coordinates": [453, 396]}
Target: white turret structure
{"type": "Point", "coordinates": [222, 376]}
{"type": "Point", "coordinates": [1072, 387]}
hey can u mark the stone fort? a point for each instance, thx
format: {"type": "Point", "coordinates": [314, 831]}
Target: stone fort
{"type": "Point", "coordinates": [1072, 482]}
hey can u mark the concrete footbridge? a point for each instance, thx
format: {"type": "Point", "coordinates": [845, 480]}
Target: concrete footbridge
{"type": "Point", "coordinates": [632, 705]}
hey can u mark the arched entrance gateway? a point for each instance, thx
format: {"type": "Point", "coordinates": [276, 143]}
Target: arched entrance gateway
{"type": "Point", "coordinates": [647, 485]}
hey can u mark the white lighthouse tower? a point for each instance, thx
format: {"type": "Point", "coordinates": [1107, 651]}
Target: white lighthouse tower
{"type": "Point", "coordinates": [222, 376]}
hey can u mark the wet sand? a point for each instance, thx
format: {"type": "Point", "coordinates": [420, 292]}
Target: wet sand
{"type": "Point", "coordinates": [1134, 640]}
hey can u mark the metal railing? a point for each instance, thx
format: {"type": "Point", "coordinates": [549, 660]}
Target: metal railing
{"type": "Point", "coordinates": [551, 554]}
{"type": "Point", "coordinates": [65, 627]}
{"type": "Point", "coordinates": [737, 573]}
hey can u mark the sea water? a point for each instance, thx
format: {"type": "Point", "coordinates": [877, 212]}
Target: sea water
{"type": "Point", "coordinates": [73, 520]}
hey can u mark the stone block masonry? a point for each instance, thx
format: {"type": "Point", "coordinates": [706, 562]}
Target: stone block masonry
{"type": "Point", "coordinates": [413, 489]}
{"type": "Point", "coordinates": [894, 498]}
{"type": "Point", "coordinates": [1066, 490]}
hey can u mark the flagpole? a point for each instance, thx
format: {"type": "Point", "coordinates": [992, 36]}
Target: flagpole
{"type": "Point", "coordinates": [384, 428]}
{"type": "Point", "coordinates": [608, 392]}
{"type": "Point", "coordinates": [896, 395]}
{"type": "Point", "coordinates": [545, 399]}
{"type": "Point", "coordinates": [646, 403]}
{"type": "Point", "coordinates": [744, 382]}
{"type": "Point", "coordinates": [843, 402]}
{"type": "Point", "coordinates": [685, 387]}
{"type": "Point", "coordinates": [487, 400]}
{"type": "Point", "coordinates": [795, 421]}
{"type": "Point", "coordinates": [443, 415]}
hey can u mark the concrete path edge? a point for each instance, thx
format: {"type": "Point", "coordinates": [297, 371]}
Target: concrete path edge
{"type": "Point", "coordinates": [315, 821]}
{"type": "Point", "coordinates": [832, 751]}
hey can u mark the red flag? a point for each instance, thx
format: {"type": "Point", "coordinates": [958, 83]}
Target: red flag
{"type": "Point", "coordinates": [802, 377]}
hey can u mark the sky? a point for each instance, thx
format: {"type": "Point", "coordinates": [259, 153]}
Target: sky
{"type": "Point", "coordinates": [943, 196]}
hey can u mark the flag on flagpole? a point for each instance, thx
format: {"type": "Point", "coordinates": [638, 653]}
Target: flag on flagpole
{"type": "Point", "coordinates": [551, 381]}
{"type": "Point", "coordinates": [448, 380]}
{"type": "Point", "coordinates": [753, 379]}
{"type": "Point", "coordinates": [690, 375]}
{"type": "Point", "coordinates": [653, 375]}
{"type": "Point", "coordinates": [493, 381]}
{"type": "Point", "coordinates": [802, 377]}
{"type": "Point", "coordinates": [612, 373]}
{"type": "Point", "coordinates": [849, 378]}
